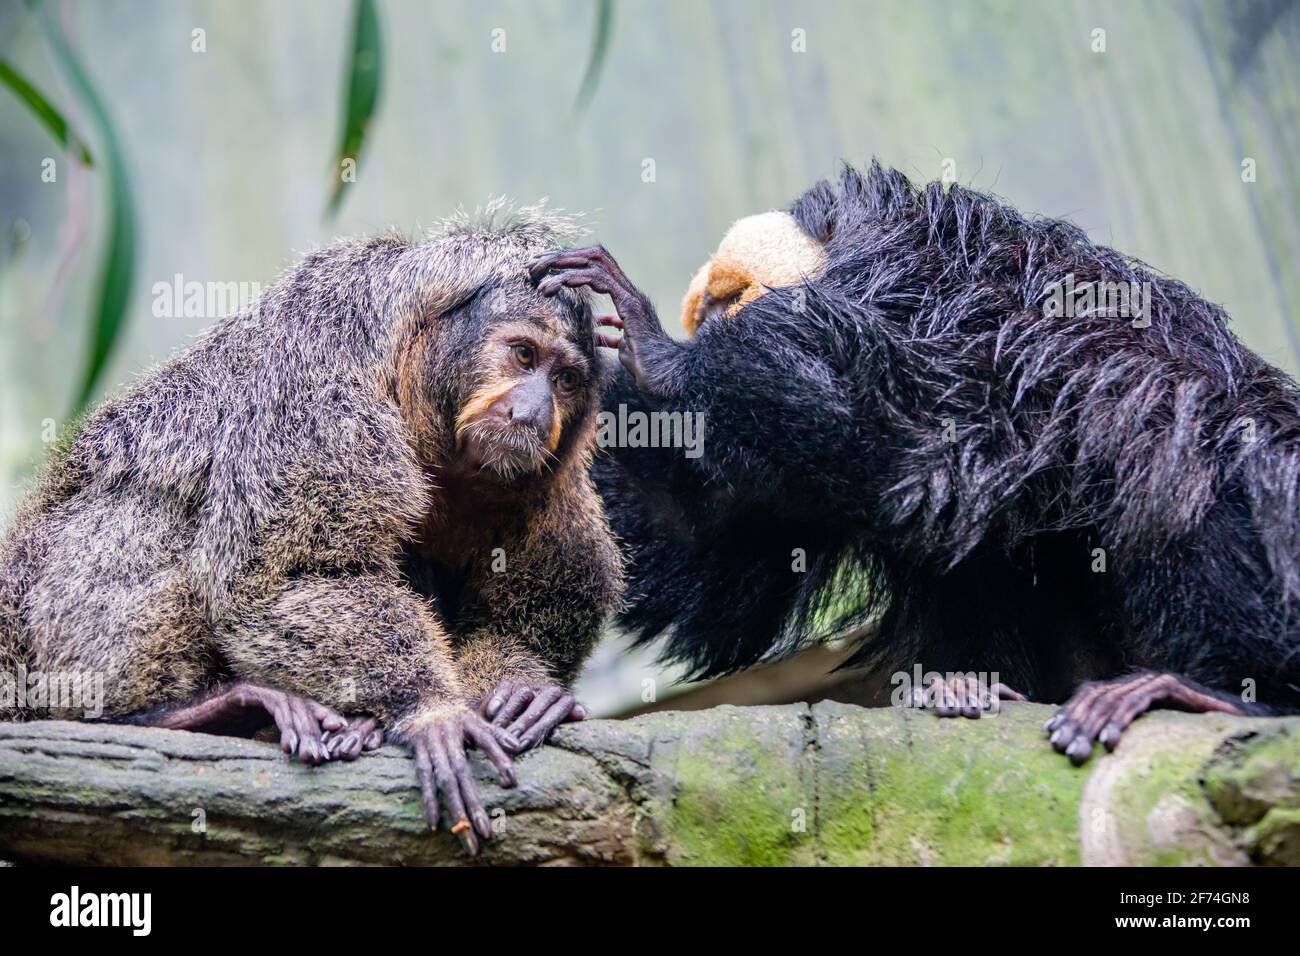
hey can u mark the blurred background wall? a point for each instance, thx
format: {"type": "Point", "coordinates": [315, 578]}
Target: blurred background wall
{"type": "Point", "coordinates": [1171, 134]}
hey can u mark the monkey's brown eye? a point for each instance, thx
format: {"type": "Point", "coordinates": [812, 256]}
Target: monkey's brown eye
{"type": "Point", "coordinates": [568, 381]}
{"type": "Point", "coordinates": [524, 354]}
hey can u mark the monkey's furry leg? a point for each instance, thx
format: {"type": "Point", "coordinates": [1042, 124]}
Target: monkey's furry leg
{"type": "Point", "coordinates": [367, 645]}
{"type": "Point", "coordinates": [242, 709]}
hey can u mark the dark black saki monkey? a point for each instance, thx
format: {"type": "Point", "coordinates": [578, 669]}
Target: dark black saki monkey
{"type": "Point", "coordinates": [920, 387]}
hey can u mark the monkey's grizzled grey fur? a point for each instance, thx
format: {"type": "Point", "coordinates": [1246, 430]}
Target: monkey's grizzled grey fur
{"type": "Point", "coordinates": [253, 509]}
{"type": "Point", "coordinates": [1173, 447]}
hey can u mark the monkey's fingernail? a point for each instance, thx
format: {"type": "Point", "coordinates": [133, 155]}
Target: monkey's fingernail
{"type": "Point", "coordinates": [1109, 736]}
{"type": "Point", "coordinates": [350, 742]}
{"type": "Point", "coordinates": [291, 742]}
{"type": "Point", "coordinates": [579, 712]}
{"type": "Point", "coordinates": [1058, 735]}
{"type": "Point", "coordinates": [493, 706]}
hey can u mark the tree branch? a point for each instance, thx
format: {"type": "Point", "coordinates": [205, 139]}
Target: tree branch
{"type": "Point", "coordinates": [828, 784]}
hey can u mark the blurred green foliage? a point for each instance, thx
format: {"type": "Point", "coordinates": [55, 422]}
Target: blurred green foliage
{"type": "Point", "coordinates": [45, 112]}
{"type": "Point", "coordinates": [117, 269]}
{"type": "Point", "coordinates": [364, 74]}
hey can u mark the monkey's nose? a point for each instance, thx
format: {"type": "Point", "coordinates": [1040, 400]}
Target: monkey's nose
{"type": "Point", "coordinates": [535, 417]}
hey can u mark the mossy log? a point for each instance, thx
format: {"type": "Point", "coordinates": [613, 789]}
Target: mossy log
{"type": "Point", "coordinates": [828, 784]}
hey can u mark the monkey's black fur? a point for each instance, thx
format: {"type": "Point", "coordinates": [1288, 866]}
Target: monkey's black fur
{"type": "Point", "coordinates": [913, 418]}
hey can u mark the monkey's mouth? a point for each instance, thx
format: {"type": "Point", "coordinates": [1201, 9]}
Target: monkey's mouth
{"type": "Point", "coordinates": [502, 449]}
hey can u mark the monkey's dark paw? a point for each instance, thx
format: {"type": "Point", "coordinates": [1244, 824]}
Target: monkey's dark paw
{"type": "Point", "coordinates": [244, 709]}
{"type": "Point", "coordinates": [530, 712]}
{"type": "Point", "coordinates": [302, 723]}
{"type": "Point", "coordinates": [644, 344]}
{"type": "Point", "coordinates": [360, 735]}
{"type": "Point", "coordinates": [1102, 710]}
{"type": "Point", "coordinates": [963, 696]}
{"type": "Point", "coordinates": [444, 771]}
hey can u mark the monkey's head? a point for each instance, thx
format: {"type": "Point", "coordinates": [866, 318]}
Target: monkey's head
{"type": "Point", "coordinates": [531, 385]}
{"type": "Point", "coordinates": [496, 381]}
{"type": "Point", "coordinates": [770, 250]}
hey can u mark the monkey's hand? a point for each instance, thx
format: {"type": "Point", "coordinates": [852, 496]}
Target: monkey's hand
{"type": "Point", "coordinates": [440, 764]}
{"type": "Point", "coordinates": [530, 711]}
{"type": "Point", "coordinates": [348, 742]}
{"type": "Point", "coordinates": [645, 349]}
{"type": "Point", "coordinates": [1101, 710]}
{"type": "Point", "coordinates": [241, 709]}
{"type": "Point", "coordinates": [963, 696]}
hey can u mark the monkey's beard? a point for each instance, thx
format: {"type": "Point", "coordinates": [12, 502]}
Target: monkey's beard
{"type": "Point", "coordinates": [504, 450]}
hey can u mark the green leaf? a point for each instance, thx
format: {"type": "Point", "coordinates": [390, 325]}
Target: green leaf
{"type": "Point", "coordinates": [45, 111]}
{"type": "Point", "coordinates": [118, 268]}
{"type": "Point", "coordinates": [362, 90]}
{"type": "Point", "coordinates": [599, 47]}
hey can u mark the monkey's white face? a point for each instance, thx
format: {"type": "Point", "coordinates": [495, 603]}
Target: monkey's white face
{"type": "Point", "coordinates": [769, 250]}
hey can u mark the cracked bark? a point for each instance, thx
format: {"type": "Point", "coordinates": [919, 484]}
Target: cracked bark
{"type": "Point", "coordinates": [827, 784]}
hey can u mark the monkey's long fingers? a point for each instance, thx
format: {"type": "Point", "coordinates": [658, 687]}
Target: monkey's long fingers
{"type": "Point", "coordinates": [1070, 734]}
{"type": "Point", "coordinates": [542, 703]}
{"type": "Point", "coordinates": [571, 259]}
{"type": "Point", "coordinates": [496, 698]}
{"type": "Point", "coordinates": [1099, 710]}
{"type": "Point", "coordinates": [284, 720]}
{"type": "Point", "coordinates": [483, 737]}
{"type": "Point", "coordinates": [609, 322]}
{"type": "Point", "coordinates": [463, 794]}
{"type": "Point", "coordinates": [449, 787]}
{"type": "Point", "coordinates": [311, 749]}
{"type": "Point", "coordinates": [348, 742]}
{"type": "Point", "coordinates": [424, 773]}
{"type": "Point", "coordinates": [945, 699]}
{"type": "Point", "coordinates": [513, 706]}
{"type": "Point", "coordinates": [595, 279]}
{"type": "Point", "coordinates": [328, 718]}
{"type": "Point", "coordinates": [555, 715]}
{"type": "Point", "coordinates": [543, 263]}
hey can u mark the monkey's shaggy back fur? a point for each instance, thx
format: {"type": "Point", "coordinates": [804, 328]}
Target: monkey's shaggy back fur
{"type": "Point", "coordinates": [912, 414]}
{"type": "Point", "coordinates": [126, 558]}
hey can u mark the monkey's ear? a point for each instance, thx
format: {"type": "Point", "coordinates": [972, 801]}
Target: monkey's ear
{"type": "Point", "coordinates": [814, 211]}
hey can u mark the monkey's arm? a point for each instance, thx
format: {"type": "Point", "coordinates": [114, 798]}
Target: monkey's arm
{"type": "Point", "coordinates": [536, 620]}
{"type": "Point", "coordinates": [764, 384]}
{"type": "Point", "coordinates": [364, 644]}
